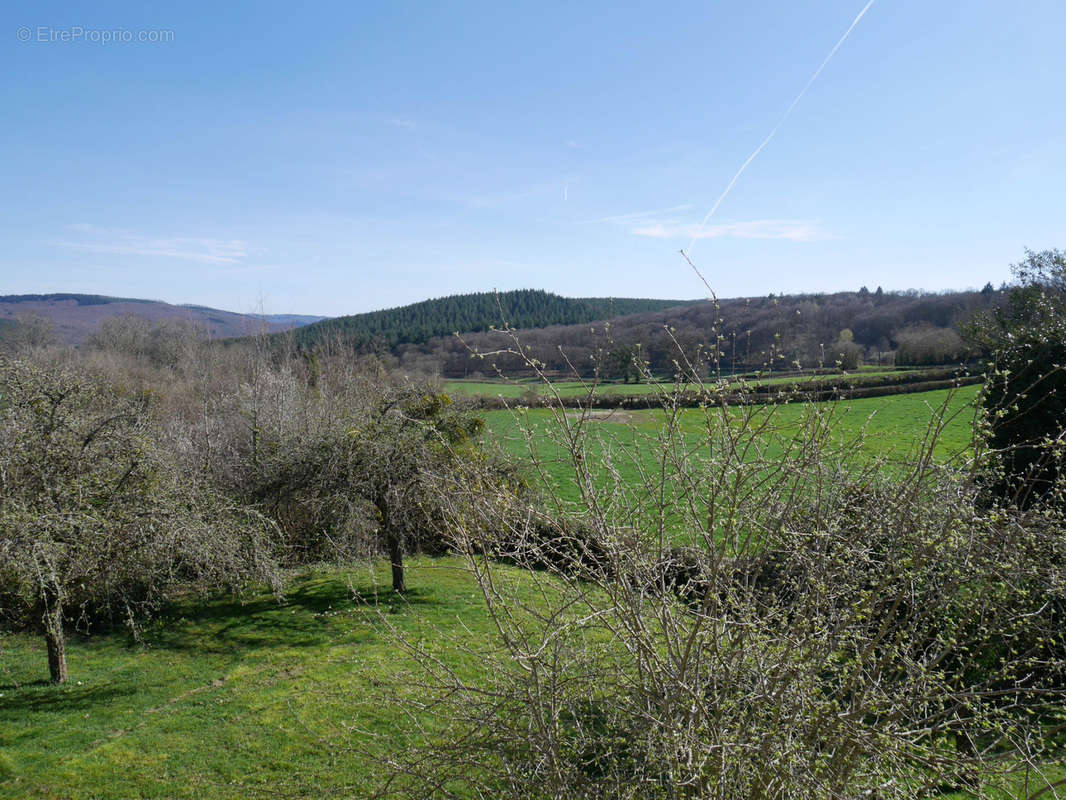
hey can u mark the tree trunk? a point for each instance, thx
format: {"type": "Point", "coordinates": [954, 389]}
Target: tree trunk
{"type": "Point", "coordinates": [57, 649]}
{"type": "Point", "coordinates": [396, 559]}
{"type": "Point", "coordinates": [394, 544]}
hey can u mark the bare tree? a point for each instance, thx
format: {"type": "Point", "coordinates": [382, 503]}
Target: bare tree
{"type": "Point", "coordinates": [95, 523]}
{"type": "Point", "coordinates": [342, 461]}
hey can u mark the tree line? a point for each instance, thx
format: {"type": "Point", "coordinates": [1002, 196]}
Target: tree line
{"type": "Point", "coordinates": [826, 624]}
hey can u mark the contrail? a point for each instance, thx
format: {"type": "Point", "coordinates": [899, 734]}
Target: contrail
{"type": "Point", "coordinates": [780, 122]}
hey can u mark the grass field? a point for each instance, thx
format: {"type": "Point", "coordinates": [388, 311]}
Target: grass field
{"type": "Point", "coordinates": [892, 427]}
{"type": "Point", "coordinates": [231, 700]}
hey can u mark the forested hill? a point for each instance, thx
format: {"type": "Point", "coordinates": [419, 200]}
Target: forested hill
{"type": "Point", "coordinates": [469, 313]}
{"type": "Point", "coordinates": [912, 328]}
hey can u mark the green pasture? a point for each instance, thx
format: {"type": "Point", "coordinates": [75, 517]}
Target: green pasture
{"type": "Point", "coordinates": [892, 427]}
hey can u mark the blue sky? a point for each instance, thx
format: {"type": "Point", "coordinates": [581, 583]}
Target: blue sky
{"type": "Point", "coordinates": [333, 158]}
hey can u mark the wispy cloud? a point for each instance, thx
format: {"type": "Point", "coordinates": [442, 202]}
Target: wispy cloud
{"type": "Point", "coordinates": [636, 216]}
{"type": "Point", "coordinates": [673, 223]}
{"type": "Point", "coordinates": [497, 199]}
{"type": "Point", "coordinates": [793, 230]}
{"type": "Point", "coordinates": [205, 250]}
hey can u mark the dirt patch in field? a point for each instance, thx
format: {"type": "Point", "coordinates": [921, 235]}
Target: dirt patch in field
{"type": "Point", "coordinates": [617, 415]}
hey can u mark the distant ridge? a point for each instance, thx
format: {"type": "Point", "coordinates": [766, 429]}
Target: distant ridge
{"type": "Point", "coordinates": [471, 313]}
{"type": "Point", "coordinates": [75, 316]}
{"type": "Point", "coordinates": [80, 299]}
{"type": "Point", "coordinates": [286, 320]}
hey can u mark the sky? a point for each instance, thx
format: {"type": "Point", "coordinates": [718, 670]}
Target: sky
{"type": "Point", "coordinates": [334, 158]}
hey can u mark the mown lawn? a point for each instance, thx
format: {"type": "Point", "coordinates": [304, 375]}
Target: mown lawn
{"type": "Point", "coordinates": [234, 700]}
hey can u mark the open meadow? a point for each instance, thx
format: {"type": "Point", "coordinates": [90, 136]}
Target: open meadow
{"type": "Point", "coordinates": [247, 699]}
{"type": "Point", "coordinates": [892, 428]}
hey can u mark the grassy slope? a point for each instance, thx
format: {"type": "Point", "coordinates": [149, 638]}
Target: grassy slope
{"type": "Point", "coordinates": [231, 700]}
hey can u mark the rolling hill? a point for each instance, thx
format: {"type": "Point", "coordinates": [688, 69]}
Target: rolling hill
{"type": "Point", "coordinates": [911, 328]}
{"type": "Point", "coordinates": [76, 316]}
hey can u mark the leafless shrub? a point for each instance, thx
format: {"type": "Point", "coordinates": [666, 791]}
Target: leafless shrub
{"type": "Point", "coordinates": [748, 607]}
{"type": "Point", "coordinates": [161, 344]}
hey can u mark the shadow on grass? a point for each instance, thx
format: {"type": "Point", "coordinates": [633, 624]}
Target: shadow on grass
{"type": "Point", "coordinates": [15, 687]}
{"type": "Point", "coordinates": [40, 696]}
{"type": "Point", "coordinates": [308, 615]}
